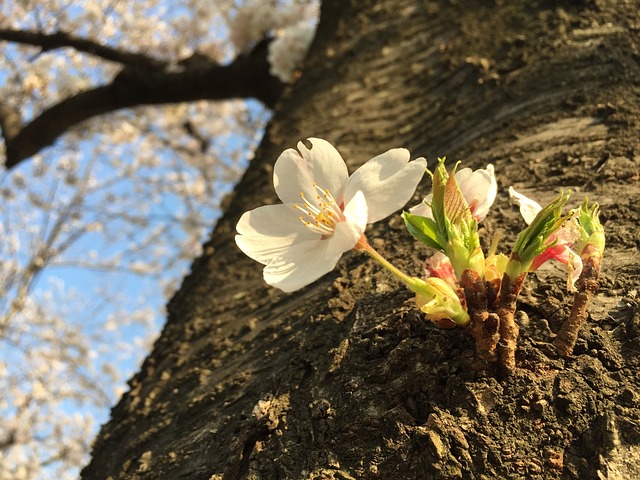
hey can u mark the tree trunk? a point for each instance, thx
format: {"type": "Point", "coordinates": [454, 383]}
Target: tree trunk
{"type": "Point", "coordinates": [346, 379]}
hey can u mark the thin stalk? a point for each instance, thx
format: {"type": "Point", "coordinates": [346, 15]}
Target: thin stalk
{"type": "Point", "coordinates": [494, 243]}
{"type": "Point", "coordinates": [509, 329]}
{"type": "Point", "coordinates": [364, 246]}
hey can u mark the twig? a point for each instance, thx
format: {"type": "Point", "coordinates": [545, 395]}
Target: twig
{"type": "Point", "coordinates": [587, 285]}
{"type": "Point", "coordinates": [53, 41]}
{"type": "Point", "coordinates": [246, 77]}
{"type": "Point", "coordinates": [509, 329]}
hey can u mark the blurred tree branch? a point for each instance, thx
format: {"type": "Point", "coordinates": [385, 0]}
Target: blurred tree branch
{"type": "Point", "coordinates": [53, 41]}
{"type": "Point", "coordinates": [137, 84]}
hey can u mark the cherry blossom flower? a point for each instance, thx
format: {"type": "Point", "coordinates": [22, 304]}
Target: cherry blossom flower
{"type": "Point", "coordinates": [291, 27]}
{"type": "Point", "coordinates": [479, 188]}
{"type": "Point", "coordinates": [324, 211]}
{"type": "Point", "coordinates": [560, 241]}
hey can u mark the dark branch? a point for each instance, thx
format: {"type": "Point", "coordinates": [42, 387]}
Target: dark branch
{"type": "Point", "coordinates": [247, 77]}
{"type": "Point", "coordinates": [62, 39]}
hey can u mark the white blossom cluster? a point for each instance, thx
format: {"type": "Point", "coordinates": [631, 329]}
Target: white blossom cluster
{"type": "Point", "coordinates": [289, 49]}
{"type": "Point", "coordinates": [292, 27]}
{"type": "Point", "coordinates": [97, 230]}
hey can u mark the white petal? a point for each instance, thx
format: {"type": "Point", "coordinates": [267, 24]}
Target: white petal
{"type": "Point", "coordinates": [424, 208]}
{"type": "Point", "coordinates": [266, 232]}
{"type": "Point", "coordinates": [479, 189]}
{"type": "Point", "coordinates": [574, 269]}
{"type": "Point", "coordinates": [347, 233]}
{"type": "Point", "coordinates": [387, 181]}
{"type": "Point", "coordinates": [356, 211]}
{"type": "Point", "coordinates": [295, 173]}
{"type": "Point", "coordinates": [300, 265]}
{"type": "Point", "coordinates": [528, 208]}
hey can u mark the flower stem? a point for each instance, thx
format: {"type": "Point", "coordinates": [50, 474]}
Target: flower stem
{"type": "Point", "coordinates": [363, 246]}
{"type": "Point", "coordinates": [587, 286]}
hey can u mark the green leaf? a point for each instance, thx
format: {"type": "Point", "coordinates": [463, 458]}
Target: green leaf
{"type": "Point", "coordinates": [456, 208]}
{"type": "Point", "coordinates": [439, 185]}
{"type": "Point", "coordinates": [452, 230]}
{"type": "Point", "coordinates": [533, 240]}
{"type": "Point", "coordinates": [423, 229]}
{"type": "Point", "coordinates": [591, 230]}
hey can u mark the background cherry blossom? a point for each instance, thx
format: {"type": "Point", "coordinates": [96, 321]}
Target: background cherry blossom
{"type": "Point", "coordinates": [97, 230]}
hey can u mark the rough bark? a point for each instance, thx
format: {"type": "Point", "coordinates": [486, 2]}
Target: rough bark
{"type": "Point", "coordinates": [345, 379]}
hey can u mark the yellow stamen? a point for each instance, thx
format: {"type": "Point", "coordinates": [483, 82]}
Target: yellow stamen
{"type": "Point", "coordinates": [322, 215]}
